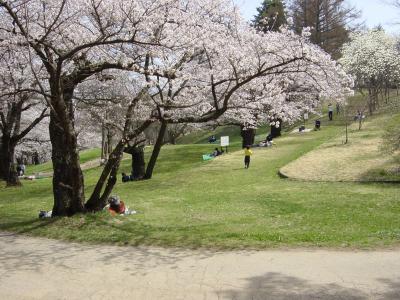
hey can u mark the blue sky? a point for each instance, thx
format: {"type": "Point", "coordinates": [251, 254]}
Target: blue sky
{"type": "Point", "coordinates": [374, 12]}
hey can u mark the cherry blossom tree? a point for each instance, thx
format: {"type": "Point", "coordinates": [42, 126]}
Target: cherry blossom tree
{"type": "Point", "coordinates": [171, 62]}
{"type": "Point", "coordinates": [21, 108]}
{"type": "Point", "coordinates": [372, 57]}
{"type": "Point", "coordinates": [246, 83]}
{"type": "Point", "coordinates": [77, 39]}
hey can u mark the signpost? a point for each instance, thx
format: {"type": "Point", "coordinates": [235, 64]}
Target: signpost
{"type": "Point", "coordinates": [225, 142]}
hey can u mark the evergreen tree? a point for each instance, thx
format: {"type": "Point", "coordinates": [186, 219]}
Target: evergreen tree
{"type": "Point", "coordinates": [331, 21]}
{"type": "Point", "coordinates": [271, 15]}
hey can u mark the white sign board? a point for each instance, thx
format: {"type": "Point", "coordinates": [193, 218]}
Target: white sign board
{"type": "Point", "coordinates": [224, 141]}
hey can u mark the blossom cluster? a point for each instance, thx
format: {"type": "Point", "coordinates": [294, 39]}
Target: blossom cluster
{"type": "Point", "coordinates": [196, 61]}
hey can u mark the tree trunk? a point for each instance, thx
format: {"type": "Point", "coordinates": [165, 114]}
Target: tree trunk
{"type": "Point", "coordinates": [68, 185]}
{"type": "Point", "coordinates": [372, 99]}
{"type": "Point", "coordinates": [98, 200]}
{"type": "Point", "coordinates": [172, 139]}
{"type": "Point", "coordinates": [276, 131]}
{"type": "Point", "coordinates": [35, 159]}
{"type": "Point", "coordinates": [248, 136]}
{"type": "Point", "coordinates": [156, 151]}
{"type": "Point", "coordinates": [138, 163]}
{"type": "Point", "coordinates": [2, 164]}
{"type": "Point", "coordinates": [7, 162]}
{"type": "Point", "coordinates": [109, 141]}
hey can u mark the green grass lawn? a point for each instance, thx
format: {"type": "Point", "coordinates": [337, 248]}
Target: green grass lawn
{"type": "Point", "coordinates": [85, 156]}
{"type": "Point", "coordinates": [219, 204]}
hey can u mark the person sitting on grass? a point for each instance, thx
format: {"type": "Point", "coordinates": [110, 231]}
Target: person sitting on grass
{"type": "Point", "coordinates": [317, 125]}
{"type": "Point", "coordinates": [216, 152]}
{"type": "Point", "coordinates": [125, 178]}
{"type": "Point", "coordinates": [269, 141]}
{"type": "Point", "coordinates": [117, 207]}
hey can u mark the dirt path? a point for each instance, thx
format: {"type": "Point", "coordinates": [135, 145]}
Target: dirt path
{"type": "Point", "coordinates": [33, 268]}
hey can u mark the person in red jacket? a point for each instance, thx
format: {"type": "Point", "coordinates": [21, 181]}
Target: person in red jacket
{"type": "Point", "coordinates": [117, 207]}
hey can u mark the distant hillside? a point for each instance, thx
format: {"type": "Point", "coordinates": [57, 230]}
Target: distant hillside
{"type": "Point", "coordinates": [201, 137]}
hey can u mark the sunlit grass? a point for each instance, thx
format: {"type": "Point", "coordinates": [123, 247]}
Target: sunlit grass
{"type": "Point", "coordinates": [361, 159]}
{"type": "Point", "coordinates": [219, 204]}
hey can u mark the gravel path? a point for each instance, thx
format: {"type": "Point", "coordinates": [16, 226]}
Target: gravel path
{"type": "Point", "coordinates": [33, 268]}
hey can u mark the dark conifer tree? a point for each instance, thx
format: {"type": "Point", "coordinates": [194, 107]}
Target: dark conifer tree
{"type": "Point", "coordinates": [270, 15]}
{"type": "Point", "coordinates": [331, 21]}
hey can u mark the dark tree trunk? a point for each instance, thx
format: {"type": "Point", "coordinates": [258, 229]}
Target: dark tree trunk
{"type": "Point", "coordinates": [276, 131]}
{"type": "Point", "coordinates": [7, 162]}
{"type": "Point", "coordinates": [156, 151]}
{"type": "Point", "coordinates": [172, 139]}
{"type": "Point", "coordinates": [248, 136]}
{"type": "Point", "coordinates": [2, 164]}
{"type": "Point", "coordinates": [372, 99]}
{"type": "Point", "coordinates": [98, 200]}
{"type": "Point", "coordinates": [109, 141]}
{"type": "Point", "coordinates": [35, 159]}
{"type": "Point", "coordinates": [68, 185]}
{"type": "Point", "coordinates": [138, 162]}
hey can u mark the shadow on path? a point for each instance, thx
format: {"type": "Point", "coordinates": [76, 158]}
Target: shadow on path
{"type": "Point", "coordinates": [278, 286]}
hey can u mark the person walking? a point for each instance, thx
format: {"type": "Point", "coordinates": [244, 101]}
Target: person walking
{"type": "Point", "coordinates": [247, 154]}
{"type": "Point", "coordinates": [330, 111]}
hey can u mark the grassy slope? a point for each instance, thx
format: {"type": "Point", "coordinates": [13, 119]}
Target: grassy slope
{"type": "Point", "coordinates": [85, 156]}
{"type": "Point", "coordinates": [219, 204]}
{"type": "Point", "coordinates": [361, 159]}
{"type": "Point", "coordinates": [201, 136]}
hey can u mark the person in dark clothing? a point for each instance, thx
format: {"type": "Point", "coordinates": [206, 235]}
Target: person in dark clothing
{"type": "Point", "coordinates": [317, 125]}
{"type": "Point", "coordinates": [19, 170]}
{"type": "Point", "coordinates": [330, 111]}
{"type": "Point", "coordinates": [125, 178]}
{"type": "Point", "coordinates": [216, 152]}
{"type": "Point", "coordinates": [212, 139]}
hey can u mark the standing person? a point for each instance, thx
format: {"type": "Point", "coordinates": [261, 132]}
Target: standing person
{"type": "Point", "coordinates": [330, 111]}
{"type": "Point", "coordinates": [247, 154]}
{"type": "Point", "coordinates": [337, 108]}
{"type": "Point", "coordinates": [19, 170]}
{"type": "Point", "coordinates": [23, 169]}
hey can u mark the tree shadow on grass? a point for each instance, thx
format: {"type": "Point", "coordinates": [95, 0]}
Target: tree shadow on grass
{"type": "Point", "coordinates": [381, 175]}
{"type": "Point", "coordinates": [274, 285]}
{"type": "Point", "coordinates": [27, 226]}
